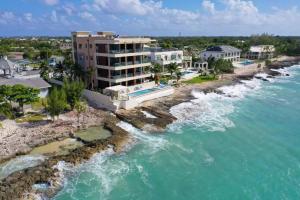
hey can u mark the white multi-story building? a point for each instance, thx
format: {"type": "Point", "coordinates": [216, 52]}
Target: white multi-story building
{"type": "Point", "coordinates": [165, 57]}
{"type": "Point", "coordinates": [117, 60]}
{"type": "Point", "coordinates": [261, 52]}
{"type": "Point", "coordinates": [221, 52]}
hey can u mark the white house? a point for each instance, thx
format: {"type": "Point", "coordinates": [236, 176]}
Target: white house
{"type": "Point", "coordinates": [221, 52]}
{"type": "Point", "coordinates": [10, 74]}
{"type": "Point", "coordinates": [261, 52]}
{"type": "Point", "coordinates": [165, 57]}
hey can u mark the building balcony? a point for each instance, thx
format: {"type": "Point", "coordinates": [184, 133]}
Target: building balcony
{"type": "Point", "coordinates": [124, 77]}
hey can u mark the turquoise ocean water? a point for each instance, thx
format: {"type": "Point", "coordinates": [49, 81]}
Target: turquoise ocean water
{"type": "Point", "coordinates": [244, 144]}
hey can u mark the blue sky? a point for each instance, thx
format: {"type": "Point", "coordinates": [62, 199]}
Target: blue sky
{"type": "Point", "coordinates": [150, 17]}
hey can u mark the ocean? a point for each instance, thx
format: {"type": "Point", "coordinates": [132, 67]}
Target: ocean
{"type": "Point", "coordinates": [242, 144]}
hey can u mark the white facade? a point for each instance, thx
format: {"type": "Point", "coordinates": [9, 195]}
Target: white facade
{"type": "Point", "coordinates": [261, 52]}
{"type": "Point", "coordinates": [166, 57]}
{"type": "Point", "coordinates": [222, 52]}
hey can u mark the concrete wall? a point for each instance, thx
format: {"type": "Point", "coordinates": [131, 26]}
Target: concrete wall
{"type": "Point", "coordinates": [136, 101]}
{"type": "Point", "coordinates": [99, 100]}
{"type": "Point", "coordinates": [143, 86]}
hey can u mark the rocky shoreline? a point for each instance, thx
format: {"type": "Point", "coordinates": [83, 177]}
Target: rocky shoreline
{"type": "Point", "coordinates": [153, 116]}
{"type": "Point", "coordinates": [19, 184]}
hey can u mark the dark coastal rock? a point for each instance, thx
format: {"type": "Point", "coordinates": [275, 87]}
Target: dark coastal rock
{"type": "Point", "coordinates": [138, 119]}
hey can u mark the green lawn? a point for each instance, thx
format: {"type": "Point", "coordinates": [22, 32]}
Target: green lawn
{"type": "Point", "coordinates": [1, 126]}
{"type": "Point", "coordinates": [200, 79]}
{"type": "Point", "coordinates": [37, 106]}
{"type": "Point", "coordinates": [31, 118]}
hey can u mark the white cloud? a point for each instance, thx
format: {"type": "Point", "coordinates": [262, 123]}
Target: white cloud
{"type": "Point", "coordinates": [151, 17]}
{"type": "Point", "coordinates": [130, 7]}
{"type": "Point", "coordinates": [51, 2]}
{"type": "Point", "coordinates": [53, 16]}
{"type": "Point", "coordinates": [87, 16]}
{"type": "Point", "coordinates": [28, 16]}
{"type": "Point", "coordinates": [209, 6]}
{"type": "Point", "coordinates": [6, 17]}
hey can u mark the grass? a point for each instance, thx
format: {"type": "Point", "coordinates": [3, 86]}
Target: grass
{"type": "Point", "coordinates": [31, 118]}
{"type": "Point", "coordinates": [1, 126]}
{"type": "Point", "coordinates": [201, 79]}
{"type": "Point", "coordinates": [37, 106]}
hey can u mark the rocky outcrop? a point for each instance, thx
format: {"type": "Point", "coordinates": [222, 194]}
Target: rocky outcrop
{"type": "Point", "coordinates": [17, 184]}
{"type": "Point", "coordinates": [138, 119]}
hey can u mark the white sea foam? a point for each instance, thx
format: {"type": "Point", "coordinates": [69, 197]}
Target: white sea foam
{"type": "Point", "coordinates": [148, 115]}
{"type": "Point", "coordinates": [212, 111]}
{"type": "Point", "coordinates": [154, 142]}
{"type": "Point", "coordinates": [19, 163]}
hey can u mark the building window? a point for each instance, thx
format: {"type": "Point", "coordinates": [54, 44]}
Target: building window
{"type": "Point", "coordinates": [91, 46]}
{"type": "Point", "coordinates": [101, 60]}
{"type": "Point", "coordinates": [86, 46]}
{"type": "Point", "coordinates": [80, 46]}
{"type": "Point", "coordinates": [91, 58]}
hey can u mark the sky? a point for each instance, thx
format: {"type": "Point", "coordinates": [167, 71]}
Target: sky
{"type": "Point", "coordinates": [150, 17]}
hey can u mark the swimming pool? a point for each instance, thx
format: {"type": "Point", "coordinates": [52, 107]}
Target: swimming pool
{"type": "Point", "coordinates": [146, 91]}
{"type": "Point", "coordinates": [247, 62]}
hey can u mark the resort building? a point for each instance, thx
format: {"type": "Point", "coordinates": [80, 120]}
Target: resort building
{"type": "Point", "coordinates": [221, 52]}
{"type": "Point", "coordinates": [122, 69]}
{"type": "Point", "coordinates": [261, 52]}
{"type": "Point", "coordinates": [12, 74]}
{"type": "Point", "coordinates": [118, 60]}
{"type": "Point", "coordinates": [165, 57]}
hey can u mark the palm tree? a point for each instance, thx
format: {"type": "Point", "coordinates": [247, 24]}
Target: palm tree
{"type": "Point", "coordinates": [173, 67]}
{"type": "Point", "coordinates": [90, 77]}
{"type": "Point", "coordinates": [178, 75]}
{"type": "Point", "coordinates": [156, 70]}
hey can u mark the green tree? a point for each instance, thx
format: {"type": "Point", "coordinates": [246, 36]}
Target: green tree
{"type": "Point", "coordinates": [56, 102]}
{"type": "Point", "coordinates": [172, 68]}
{"type": "Point", "coordinates": [73, 91]}
{"type": "Point", "coordinates": [5, 107]}
{"type": "Point", "coordinates": [223, 66]}
{"type": "Point", "coordinates": [156, 70]}
{"type": "Point", "coordinates": [45, 71]}
{"type": "Point", "coordinates": [24, 95]}
{"type": "Point", "coordinates": [45, 54]}
{"type": "Point", "coordinates": [178, 75]}
{"type": "Point", "coordinates": [80, 107]}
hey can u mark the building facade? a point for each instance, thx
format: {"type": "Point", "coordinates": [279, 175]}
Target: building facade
{"type": "Point", "coordinates": [116, 60]}
{"type": "Point", "coordinates": [221, 52]}
{"type": "Point", "coordinates": [261, 52]}
{"type": "Point", "coordinates": [165, 57]}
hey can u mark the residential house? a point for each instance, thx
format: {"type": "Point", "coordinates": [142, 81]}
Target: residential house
{"type": "Point", "coordinates": [261, 52]}
{"type": "Point", "coordinates": [11, 74]}
{"type": "Point", "coordinates": [165, 57]}
{"type": "Point", "coordinates": [221, 52]}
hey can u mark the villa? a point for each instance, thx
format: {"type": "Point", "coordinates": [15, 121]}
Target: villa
{"type": "Point", "coordinates": [122, 69]}
{"type": "Point", "coordinates": [165, 57]}
{"type": "Point", "coordinates": [221, 52]}
{"type": "Point", "coordinates": [187, 62]}
{"type": "Point", "coordinates": [261, 52]}
{"type": "Point", "coordinates": [13, 75]}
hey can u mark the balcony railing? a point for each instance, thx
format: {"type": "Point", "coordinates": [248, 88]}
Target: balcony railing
{"type": "Point", "coordinates": [121, 51]}
{"type": "Point", "coordinates": [128, 75]}
{"type": "Point", "coordinates": [119, 64]}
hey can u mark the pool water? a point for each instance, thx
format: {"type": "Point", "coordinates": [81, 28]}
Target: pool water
{"type": "Point", "coordinates": [146, 91]}
{"type": "Point", "coordinates": [247, 62]}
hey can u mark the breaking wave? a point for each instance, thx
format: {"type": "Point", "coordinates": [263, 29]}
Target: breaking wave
{"type": "Point", "coordinates": [212, 111]}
